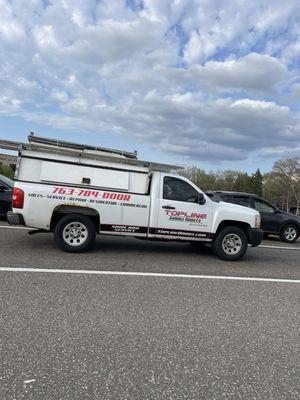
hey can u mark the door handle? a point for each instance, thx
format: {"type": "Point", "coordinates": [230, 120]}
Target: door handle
{"type": "Point", "coordinates": [168, 207]}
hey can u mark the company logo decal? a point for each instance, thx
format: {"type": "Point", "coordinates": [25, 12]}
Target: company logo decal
{"type": "Point", "coordinates": [184, 216]}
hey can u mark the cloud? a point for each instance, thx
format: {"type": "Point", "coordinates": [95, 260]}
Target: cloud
{"type": "Point", "coordinates": [292, 51]}
{"type": "Point", "coordinates": [204, 80]}
{"type": "Point", "coordinates": [212, 26]}
{"type": "Point", "coordinates": [225, 129]}
{"type": "Point", "coordinates": [251, 73]}
{"type": "Point", "coordinates": [113, 41]}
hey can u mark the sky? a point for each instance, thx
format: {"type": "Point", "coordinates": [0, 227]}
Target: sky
{"type": "Point", "coordinates": [193, 82]}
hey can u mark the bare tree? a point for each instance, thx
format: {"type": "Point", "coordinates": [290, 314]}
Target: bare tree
{"type": "Point", "coordinates": [296, 193]}
{"type": "Point", "coordinates": [287, 173]}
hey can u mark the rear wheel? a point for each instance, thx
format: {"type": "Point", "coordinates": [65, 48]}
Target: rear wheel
{"type": "Point", "coordinates": [75, 233]}
{"type": "Point", "coordinates": [230, 243]}
{"type": "Point", "coordinates": [289, 233]}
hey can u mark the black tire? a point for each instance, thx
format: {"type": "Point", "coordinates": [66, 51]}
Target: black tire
{"type": "Point", "coordinates": [289, 233]}
{"type": "Point", "coordinates": [230, 244]}
{"type": "Point", "coordinates": [79, 238]}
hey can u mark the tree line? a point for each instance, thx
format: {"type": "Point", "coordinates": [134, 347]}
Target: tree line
{"type": "Point", "coordinates": [280, 186]}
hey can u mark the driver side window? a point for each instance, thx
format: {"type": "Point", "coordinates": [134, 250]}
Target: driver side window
{"type": "Point", "coordinates": [262, 206]}
{"type": "Point", "coordinates": [179, 190]}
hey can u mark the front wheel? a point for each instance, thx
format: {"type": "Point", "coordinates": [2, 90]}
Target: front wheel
{"type": "Point", "coordinates": [289, 233]}
{"type": "Point", "coordinates": [75, 233]}
{"type": "Point", "coordinates": [230, 244]}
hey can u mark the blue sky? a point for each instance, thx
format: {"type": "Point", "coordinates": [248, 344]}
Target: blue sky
{"type": "Point", "coordinates": [195, 82]}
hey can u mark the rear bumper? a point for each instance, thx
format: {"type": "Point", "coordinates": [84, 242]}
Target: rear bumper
{"type": "Point", "coordinates": [15, 219]}
{"type": "Point", "coordinates": [256, 236]}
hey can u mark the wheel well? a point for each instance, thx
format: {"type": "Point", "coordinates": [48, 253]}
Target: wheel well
{"type": "Point", "coordinates": [243, 225]}
{"type": "Point", "coordinates": [61, 211]}
{"type": "Point", "coordinates": [297, 226]}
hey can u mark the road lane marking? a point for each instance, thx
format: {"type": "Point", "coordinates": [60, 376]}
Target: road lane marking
{"type": "Point", "coordinates": [146, 274]}
{"type": "Point", "coordinates": [29, 381]}
{"type": "Point", "coordinates": [278, 247]}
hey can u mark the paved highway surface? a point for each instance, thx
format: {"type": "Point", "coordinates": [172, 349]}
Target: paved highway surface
{"type": "Point", "coordinates": [164, 336]}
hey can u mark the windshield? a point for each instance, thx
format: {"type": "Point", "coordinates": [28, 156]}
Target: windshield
{"type": "Point", "coordinates": [214, 197]}
{"type": "Point", "coordinates": [7, 181]}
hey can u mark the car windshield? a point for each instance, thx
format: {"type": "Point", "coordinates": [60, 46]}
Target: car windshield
{"type": "Point", "coordinates": [7, 181]}
{"type": "Point", "coordinates": [214, 197]}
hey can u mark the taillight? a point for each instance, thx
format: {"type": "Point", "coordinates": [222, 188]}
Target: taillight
{"type": "Point", "coordinates": [18, 198]}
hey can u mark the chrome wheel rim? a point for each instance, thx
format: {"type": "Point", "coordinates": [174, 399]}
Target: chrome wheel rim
{"type": "Point", "coordinates": [75, 233]}
{"type": "Point", "coordinates": [231, 244]}
{"type": "Point", "coordinates": [290, 233]}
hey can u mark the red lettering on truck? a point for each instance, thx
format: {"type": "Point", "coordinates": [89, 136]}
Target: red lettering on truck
{"type": "Point", "coordinates": [116, 196]}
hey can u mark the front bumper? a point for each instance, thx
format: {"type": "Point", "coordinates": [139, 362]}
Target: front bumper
{"type": "Point", "coordinates": [15, 219]}
{"type": "Point", "coordinates": [256, 236]}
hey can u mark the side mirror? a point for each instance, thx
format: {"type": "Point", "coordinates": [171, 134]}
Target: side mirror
{"type": "Point", "coordinates": [201, 198]}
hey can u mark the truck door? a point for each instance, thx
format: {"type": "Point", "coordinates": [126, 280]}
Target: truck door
{"type": "Point", "coordinates": [180, 215]}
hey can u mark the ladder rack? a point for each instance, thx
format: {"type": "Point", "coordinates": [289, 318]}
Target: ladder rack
{"type": "Point", "coordinates": [76, 146]}
{"type": "Point", "coordinates": [11, 145]}
{"type": "Point", "coordinates": [64, 148]}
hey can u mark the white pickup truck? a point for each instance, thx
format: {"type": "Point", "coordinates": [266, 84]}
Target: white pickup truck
{"type": "Point", "coordinates": [77, 191]}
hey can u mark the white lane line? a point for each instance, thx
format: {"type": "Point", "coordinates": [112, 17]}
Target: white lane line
{"type": "Point", "coordinates": [148, 274]}
{"type": "Point", "coordinates": [278, 247]}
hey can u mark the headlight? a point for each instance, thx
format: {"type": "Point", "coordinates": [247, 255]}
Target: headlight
{"type": "Point", "coordinates": [257, 221]}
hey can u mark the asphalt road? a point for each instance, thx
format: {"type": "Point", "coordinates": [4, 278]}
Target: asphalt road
{"type": "Point", "coordinates": [89, 336]}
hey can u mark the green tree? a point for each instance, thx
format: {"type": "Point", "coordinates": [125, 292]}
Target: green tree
{"type": "Point", "coordinates": [6, 171]}
{"type": "Point", "coordinates": [242, 183]}
{"type": "Point", "coordinates": [257, 183]}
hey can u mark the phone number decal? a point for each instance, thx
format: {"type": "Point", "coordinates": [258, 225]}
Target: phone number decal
{"type": "Point", "coordinates": [90, 193]}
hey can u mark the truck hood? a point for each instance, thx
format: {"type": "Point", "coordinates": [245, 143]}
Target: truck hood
{"type": "Point", "coordinates": [232, 212]}
{"type": "Point", "coordinates": [235, 208]}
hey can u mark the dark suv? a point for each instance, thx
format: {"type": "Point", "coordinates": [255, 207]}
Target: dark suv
{"type": "Point", "coordinates": [273, 220]}
{"type": "Point", "coordinates": [6, 187]}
